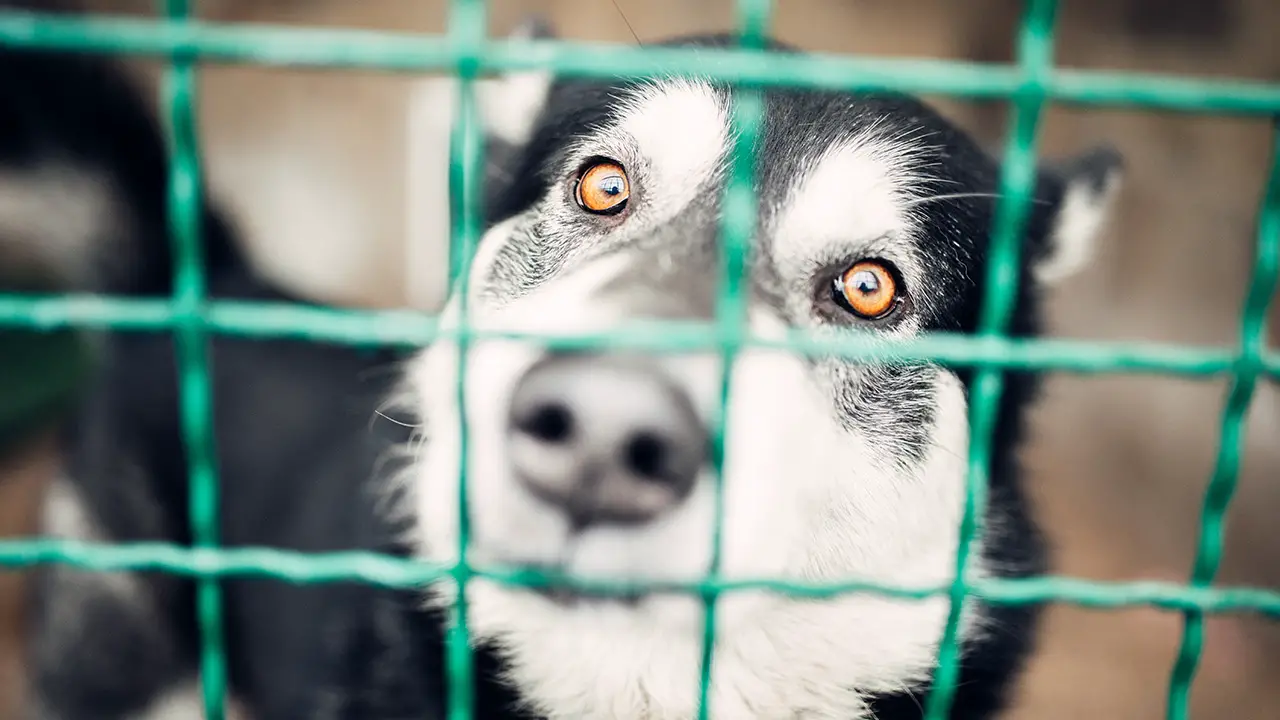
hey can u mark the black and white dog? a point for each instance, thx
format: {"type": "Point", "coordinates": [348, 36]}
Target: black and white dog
{"type": "Point", "coordinates": [603, 203]}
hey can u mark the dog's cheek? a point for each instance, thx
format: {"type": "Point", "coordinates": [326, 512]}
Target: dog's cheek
{"type": "Point", "coordinates": [431, 374]}
{"type": "Point", "coordinates": [908, 516]}
{"type": "Point", "coordinates": [780, 456]}
{"type": "Point", "coordinates": [492, 370]}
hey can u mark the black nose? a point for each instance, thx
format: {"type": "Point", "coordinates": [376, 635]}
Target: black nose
{"type": "Point", "coordinates": [606, 439]}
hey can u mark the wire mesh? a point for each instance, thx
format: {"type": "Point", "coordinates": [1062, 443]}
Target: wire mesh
{"type": "Point", "coordinates": [1030, 83]}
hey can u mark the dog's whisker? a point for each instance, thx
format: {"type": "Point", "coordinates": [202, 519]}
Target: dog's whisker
{"type": "Point", "coordinates": [962, 196]}
{"type": "Point", "coordinates": [401, 423]}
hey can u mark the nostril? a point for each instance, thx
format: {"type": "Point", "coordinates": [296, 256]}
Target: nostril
{"type": "Point", "coordinates": [604, 438]}
{"type": "Point", "coordinates": [551, 423]}
{"type": "Point", "coordinates": [645, 455]}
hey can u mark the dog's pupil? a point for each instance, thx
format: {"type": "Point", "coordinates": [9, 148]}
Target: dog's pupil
{"type": "Point", "coordinates": [611, 185]}
{"type": "Point", "coordinates": [866, 282]}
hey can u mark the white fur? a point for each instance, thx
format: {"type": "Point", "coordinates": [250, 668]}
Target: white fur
{"type": "Point", "coordinates": [508, 106]}
{"type": "Point", "coordinates": [681, 131]}
{"type": "Point", "coordinates": [64, 516]}
{"type": "Point", "coordinates": [802, 500]}
{"type": "Point", "coordinates": [510, 103]}
{"type": "Point", "coordinates": [855, 193]}
{"type": "Point", "coordinates": [672, 137]}
{"type": "Point", "coordinates": [53, 219]}
{"type": "Point", "coordinates": [185, 703]}
{"type": "Point", "coordinates": [180, 704]}
{"type": "Point", "coordinates": [853, 203]}
{"type": "Point", "coordinates": [804, 497]}
{"type": "Point", "coordinates": [1081, 217]}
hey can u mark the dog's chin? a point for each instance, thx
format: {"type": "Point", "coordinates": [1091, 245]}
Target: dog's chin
{"type": "Point", "coordinates": [534, 599]}
{"type": "Point", "coordinates": [554, 589]}
{"type": "Point", "coordinates": [520, 612]}
{"type": "Point", "coordinates": [568, 598]}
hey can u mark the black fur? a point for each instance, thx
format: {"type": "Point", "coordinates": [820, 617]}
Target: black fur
{"type": "Point", "coordinates": [303, 459]}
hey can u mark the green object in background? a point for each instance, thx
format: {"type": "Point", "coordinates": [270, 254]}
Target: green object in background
{"type": "Point", "coordinates": [41, 375]}
{"type": "Point", "coordinates": [1030, 83]}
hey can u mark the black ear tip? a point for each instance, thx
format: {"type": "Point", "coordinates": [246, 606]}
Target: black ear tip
{"type": "Point", "coordinates": [534, 27]}
{"type": "Point", "coordinates": [1106, 156]}
{"type": "Point", "coordinates": [1096, 168]}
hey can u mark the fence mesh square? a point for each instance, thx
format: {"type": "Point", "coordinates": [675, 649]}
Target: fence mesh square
{"type": "Point", "coordinates": [465, 50]}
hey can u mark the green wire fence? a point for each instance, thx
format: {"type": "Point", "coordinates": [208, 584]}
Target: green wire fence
{"type": "Point", "coordinates": [467, 51]}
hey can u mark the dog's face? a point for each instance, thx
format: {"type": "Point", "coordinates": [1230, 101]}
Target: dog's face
{"type": "Point", "coordinates": [873, 218]}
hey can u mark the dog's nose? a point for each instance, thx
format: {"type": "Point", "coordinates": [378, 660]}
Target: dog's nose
{"type": "Point", "coordinates": [606, 439]}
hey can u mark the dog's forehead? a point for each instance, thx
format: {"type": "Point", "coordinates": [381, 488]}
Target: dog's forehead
{"type": "Point", "coordinates": [826, 162]}
{"type": "Point", "coordinates": [821, 155]}
{"type": "Point", "coordinates": [839, 176]}
{"type": "Point", "coordinates": [856, 190]}
{"type": "Point", "coordinates": [680, 130]}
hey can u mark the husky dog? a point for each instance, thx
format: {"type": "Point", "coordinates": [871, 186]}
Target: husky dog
{"type": "Point", "coordinates": [603, 202]}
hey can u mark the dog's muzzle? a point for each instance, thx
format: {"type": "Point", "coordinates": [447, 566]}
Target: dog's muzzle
{"type": "Point", "coordinates": [604, 438]}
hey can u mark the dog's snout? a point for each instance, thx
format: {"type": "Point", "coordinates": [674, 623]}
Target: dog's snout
{"type": "Point", "coordinates": [605, 439]}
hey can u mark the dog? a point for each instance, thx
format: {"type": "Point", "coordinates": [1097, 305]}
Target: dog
{"type": "Point", "coordinates": [602, 205]}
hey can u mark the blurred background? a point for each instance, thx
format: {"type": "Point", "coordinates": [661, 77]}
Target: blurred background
{"type": "Point", "coordinates": [323, 171]}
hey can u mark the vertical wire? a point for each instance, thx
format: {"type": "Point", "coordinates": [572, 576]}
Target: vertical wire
{"type": "Point", "coordinates": [467, 30]}
{"type": "Point", "coordinates": [1231, 440]}
{"type": "Point", "coordinates": [192, 347]}
{"type": "Point", "coordinates": [1017, 184]}
{"type": "Point", "coordinates": [737, 230]}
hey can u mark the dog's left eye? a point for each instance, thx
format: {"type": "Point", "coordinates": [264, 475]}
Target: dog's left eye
{"type": "Point", "coordinates": [868, 289]}
{"type": "Point", "coordinates": [602, 188]}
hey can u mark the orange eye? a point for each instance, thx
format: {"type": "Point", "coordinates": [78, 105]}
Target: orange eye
{"type": "Point", "coordinates": [603, 188]}
{"type": "Point", "coordinates": [867, 289]}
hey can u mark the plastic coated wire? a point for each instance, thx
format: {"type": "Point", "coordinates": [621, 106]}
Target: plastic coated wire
{"type": "Point", "coordinates": [1017, 182]}
{"type": "Point", "coordinates": [1029, 83]}
{"type": "Point", "coordinates": [1222, 485]}
{"type": "Point", "coordinates": [381, 570]}
{"type": "Point", "coordinates": [737, 229]}
{"type": "Point", "coordinates": [467, 26]}
{"type": "Point", "coordinates": [399, 328]}
{"type": "Point", "coordinates": [272, 45]}
{"type": "Point", "coordinates": [192, 350]}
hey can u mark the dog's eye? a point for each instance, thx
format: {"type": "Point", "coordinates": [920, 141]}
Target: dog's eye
{"type": "Point", "coordinates": [867, 289]}
{"type": "Point", "coordinates": [602, 188]}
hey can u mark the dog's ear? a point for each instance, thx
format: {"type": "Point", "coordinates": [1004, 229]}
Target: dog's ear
{"type": "Point", "coordinates": [510, 104]}
{"type": "Point", "coordinates": [1084, 189]}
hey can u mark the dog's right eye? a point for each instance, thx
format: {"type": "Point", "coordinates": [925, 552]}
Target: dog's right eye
{"type": "Point", "coordinates": [602, 188]}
